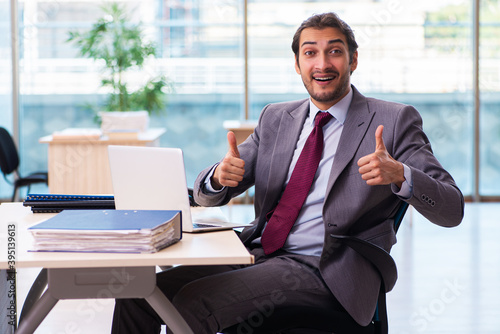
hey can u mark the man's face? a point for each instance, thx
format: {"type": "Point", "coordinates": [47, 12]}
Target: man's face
{"type": "Point", "coordinates": [323, 64]}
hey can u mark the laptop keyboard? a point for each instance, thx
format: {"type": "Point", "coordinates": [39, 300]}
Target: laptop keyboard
{"type": "Point", "coordinates": [203, 225]}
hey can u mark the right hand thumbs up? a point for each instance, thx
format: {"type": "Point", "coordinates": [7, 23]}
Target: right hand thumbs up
{"type": "Point", "coordinates": [229, 172]}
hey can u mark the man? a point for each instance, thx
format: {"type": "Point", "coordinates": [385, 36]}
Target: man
{"type": "Point", "coordinates": [375, 155]}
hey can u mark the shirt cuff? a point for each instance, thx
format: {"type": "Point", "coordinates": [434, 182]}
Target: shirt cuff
{"type": "Point", "coordinates": [208, 184]}
{"type": "Point", "coordinates": [406, 190]}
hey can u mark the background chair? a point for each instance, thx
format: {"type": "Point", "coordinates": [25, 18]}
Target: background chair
{"type": "Point", "coordinates": [324, 321]}
{"type": "Point", "coordinates": [9, 163]}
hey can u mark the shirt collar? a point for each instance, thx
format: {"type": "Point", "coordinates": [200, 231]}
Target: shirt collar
{"type": "Point", "coordinates": [338, 110]}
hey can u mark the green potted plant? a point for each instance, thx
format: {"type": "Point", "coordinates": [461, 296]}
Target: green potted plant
{"type": "Point", "coordinates": [121, 47]}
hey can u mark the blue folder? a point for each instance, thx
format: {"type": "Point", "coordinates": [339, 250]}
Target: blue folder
{"type": "Point", "coordinates": [135, 231]}
{"type": "Point", "coordinates": [107, 220]}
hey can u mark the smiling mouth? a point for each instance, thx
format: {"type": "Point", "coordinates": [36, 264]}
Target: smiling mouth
{"type": "Point", "coordinates": [325, 79]}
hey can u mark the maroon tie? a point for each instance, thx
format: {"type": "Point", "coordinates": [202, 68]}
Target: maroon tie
{"type": "Point", "coordinates": [286, 212]}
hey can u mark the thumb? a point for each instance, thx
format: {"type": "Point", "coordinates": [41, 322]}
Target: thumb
{"type": "Point", "coordinates": [233, 146]}
{"type": "Point", "coordinates": [379, 141]}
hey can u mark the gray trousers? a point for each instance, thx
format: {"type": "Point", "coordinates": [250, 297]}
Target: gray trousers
{"type": "Point", "coordinates": [212, 298]}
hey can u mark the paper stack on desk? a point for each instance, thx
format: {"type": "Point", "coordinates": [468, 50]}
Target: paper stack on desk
{"type": "Point", "coordinates": [122, 231]}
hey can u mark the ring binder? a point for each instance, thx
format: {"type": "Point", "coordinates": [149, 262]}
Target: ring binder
{"type": "Point", "coordinates": [54, 203]}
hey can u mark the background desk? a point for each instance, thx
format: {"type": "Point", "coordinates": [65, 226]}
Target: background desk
{"type": "Point", "coordinates": [79, 166]}
{"type": "Point", "coordinates": [203, 248]}
{"type": "Point", "coordinates": [241, 129]}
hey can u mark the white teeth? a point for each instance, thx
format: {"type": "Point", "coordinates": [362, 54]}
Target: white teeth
{"type": "Point", "coordinates": [324, 79]}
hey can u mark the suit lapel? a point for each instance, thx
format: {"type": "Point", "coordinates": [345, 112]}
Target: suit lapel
{"type": "Point", "coordinates": [288, 134]}
{"type": "Point", "coordinates": [356, 124]}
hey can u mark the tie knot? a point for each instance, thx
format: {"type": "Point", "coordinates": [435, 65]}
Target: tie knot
{"type": "Point", "coordinates": [322, 118]}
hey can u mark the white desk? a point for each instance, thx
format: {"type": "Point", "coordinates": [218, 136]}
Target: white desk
{"type": "Point", "coordinates": [108, 275]}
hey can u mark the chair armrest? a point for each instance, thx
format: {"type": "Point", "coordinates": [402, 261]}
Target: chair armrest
{"type": "Point", "coordinates": [376, 255]}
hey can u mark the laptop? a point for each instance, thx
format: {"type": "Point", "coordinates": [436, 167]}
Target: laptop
{"type": "Point", "coordinates": [154, 178]}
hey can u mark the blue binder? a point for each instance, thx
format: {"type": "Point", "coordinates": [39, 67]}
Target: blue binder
{"type": "Point", "coordinates": [108, 230]}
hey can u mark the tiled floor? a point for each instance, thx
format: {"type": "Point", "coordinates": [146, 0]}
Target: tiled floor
{"type": "Point", "coordinates": [449, 281]}
{"type": "Point", "coordinates": [448, 278]}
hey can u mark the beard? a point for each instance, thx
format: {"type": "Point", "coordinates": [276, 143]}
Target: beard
{"type": "Point", "coordinates": [329, 96]}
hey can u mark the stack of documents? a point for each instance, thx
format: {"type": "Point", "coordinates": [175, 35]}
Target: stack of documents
{"type": "Point", "coordinates": [122, 231]}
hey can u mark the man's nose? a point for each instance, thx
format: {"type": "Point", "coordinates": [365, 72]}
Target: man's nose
{"type": "Point", "coordinates": [322, 62]}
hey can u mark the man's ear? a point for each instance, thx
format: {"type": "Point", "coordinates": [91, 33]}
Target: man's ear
{"type": "Point", "coordinates": [354, 62]}
{"type": "Point", "coordinates": [297, 67]}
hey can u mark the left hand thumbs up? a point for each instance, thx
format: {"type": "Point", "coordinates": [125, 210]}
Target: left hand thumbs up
{"type": "Point", "coordinates": [379, 141]}
{"type": "Point", "coordinates": [380, 168]}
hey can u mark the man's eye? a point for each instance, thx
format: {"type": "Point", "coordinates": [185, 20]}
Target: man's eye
{"type": "Point", "coordinates": [336, 51]}
{"type": "Point", "coordinates": [308, 53]}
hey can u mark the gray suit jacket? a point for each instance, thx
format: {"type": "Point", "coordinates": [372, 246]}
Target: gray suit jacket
{"type": "Point", "coordinates": [351, 206]}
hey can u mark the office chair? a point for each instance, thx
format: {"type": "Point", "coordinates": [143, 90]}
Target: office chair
{"type": "Point", "coordinates": [9, 163]}
{"type": "Point", "coordinates": [312, 320]}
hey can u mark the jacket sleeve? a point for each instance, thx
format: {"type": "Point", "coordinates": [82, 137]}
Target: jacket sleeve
{"type": "Point", "coordinates": [435, 193]}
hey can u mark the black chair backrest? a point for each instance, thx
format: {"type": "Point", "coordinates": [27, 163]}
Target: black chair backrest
{"type": "Point", "coordinates": [398, 218]}
{"type": "Point", "coordinates": [9, 159]}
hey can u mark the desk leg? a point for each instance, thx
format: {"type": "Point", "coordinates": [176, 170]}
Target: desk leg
{"type": "Point", "coordinates": [168, 312]}
{"type": "Point", "coordinates": [37, 313]}
{"type": "Point", "coordinates": [120, 282]}
{"type": "Point", "coordinates": [76, 283]}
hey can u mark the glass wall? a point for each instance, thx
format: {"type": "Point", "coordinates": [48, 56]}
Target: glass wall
{"type": "Point", "coordinates": [5, 66]}
{"type": "Point", "coordinates": [415, 52]}
{"type": "Point", "coordinates": [6, 80]}
{"type": "Point", "coordinates": [199, 46]}
{"type": "Point", "coordinates": [489, 52]}
{"type": "Point", "coordinates": [202, 54]}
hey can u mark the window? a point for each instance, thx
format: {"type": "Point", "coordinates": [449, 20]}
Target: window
{"type": "Point", "coordinates": [415, 52]}
{"type": "Point", "coordinates": [6, 82]}
{"type": "Point", "coordinates": [490, 98]}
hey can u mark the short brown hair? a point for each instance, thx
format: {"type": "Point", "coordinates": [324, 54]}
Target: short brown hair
{"type": "Point", "coordinates": [326, 20]}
